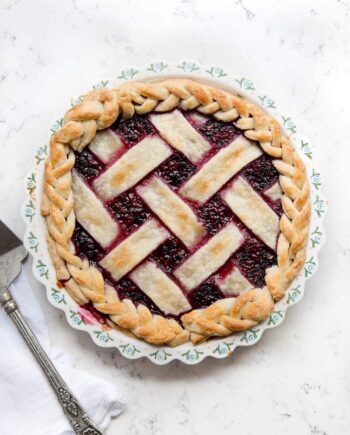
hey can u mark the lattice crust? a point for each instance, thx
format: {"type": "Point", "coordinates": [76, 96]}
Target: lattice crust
{"type": "Point", "coordinates": [99, 110]}
{"type": "Point", "coordinates": [253, 211]}
{"type": "Point", "coordinates": [218, 170]}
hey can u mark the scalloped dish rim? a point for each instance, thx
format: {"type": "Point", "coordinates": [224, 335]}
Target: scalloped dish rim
{"type": "Point", "coordinates": [133, 348]}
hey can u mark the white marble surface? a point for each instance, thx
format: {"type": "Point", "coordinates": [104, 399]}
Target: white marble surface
{"type": "Point", "coordinates": [296, 379]}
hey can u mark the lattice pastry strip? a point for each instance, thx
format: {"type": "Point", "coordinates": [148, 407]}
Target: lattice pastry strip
{"type": "Point", "coordinates": [210, 257]}
{"type": "Point", "coordinates": [91, 213]}
{"type": "Point", "coordinates": [179, 133]}
{"type": "Point", "coordinates": [253, 211]}
{"type": "Point", "coordinates": [234, 283]}
{"type": "Point", "coordinates": [132, 167]}
{"type": "Point", "coordinates": [105, 144]}
{"type": "Point", "coordinates": [275, 192]}
{"type": "Point", "coordinates": [131, 251]}
{"type": "Point", "coordinates": [160, 288]}
{"type": "Point", "coordinates": [172, 211]}
{"type": "Point", "coordinates": [219, 169]}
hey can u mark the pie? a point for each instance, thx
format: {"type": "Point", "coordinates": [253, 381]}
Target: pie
{"type": "Point", "coordinates": [175, 211]}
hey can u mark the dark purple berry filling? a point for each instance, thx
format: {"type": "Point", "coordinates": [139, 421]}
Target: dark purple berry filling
{"type": "Point", "coordinates": [253, 258]}
{"type": "Point", "coordinates": [219, 133]}
{"type": "Point", "coordinates": [215, 214]}
{"type": "Point", "coordinates": [85, 245]}
{"type": "Point", "coordinates": [205, 294]}
{"type": "Point", "coordinates": [128, 290]}
{"type": "Point", "coordinates": [130, 211]}
{"type": "Point", "coordinates": [261, 173]}
{"type": "Point", "coordinates": [277, 207]}
{"type": "Point", "coordinates": [87, 164]}
{"type": "Point", "coordinates": [176, 169]}
{"type": "Point", "coordinates": [134, 129]}
{"type": "Point", "coordinates": [170, 254]}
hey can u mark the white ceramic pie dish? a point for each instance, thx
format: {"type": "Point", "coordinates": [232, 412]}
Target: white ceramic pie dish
{"type": "Point", "coordinates": [131, 347]}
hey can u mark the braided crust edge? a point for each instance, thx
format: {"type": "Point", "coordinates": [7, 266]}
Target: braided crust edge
{"type": "Point", "coordinates": [100, 109]}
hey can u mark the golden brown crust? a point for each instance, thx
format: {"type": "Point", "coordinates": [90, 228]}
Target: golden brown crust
{"type": "Point", "coordinates": [231, 314]}
{"type": "Point", "coordinates": [99, 109]}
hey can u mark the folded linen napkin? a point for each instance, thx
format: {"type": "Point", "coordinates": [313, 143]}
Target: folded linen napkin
{"type": "Point", "coordinates": [28, 406]}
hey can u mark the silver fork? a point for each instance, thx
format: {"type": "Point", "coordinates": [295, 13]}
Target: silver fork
{"type": "Point", "coordinates": [12, 253]}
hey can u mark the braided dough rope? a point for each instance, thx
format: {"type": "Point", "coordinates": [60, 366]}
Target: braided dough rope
{"type": "Point", "coordinates": [84, 282]}
{"type": "Point", "coordinates": [227, 315]}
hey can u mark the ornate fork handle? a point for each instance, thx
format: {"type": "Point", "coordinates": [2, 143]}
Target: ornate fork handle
{"type": "Point", "coordinates": [76, 415]}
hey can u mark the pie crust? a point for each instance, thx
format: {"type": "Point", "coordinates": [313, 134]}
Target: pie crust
{"type": "Point", "coordinates": [66, 199]}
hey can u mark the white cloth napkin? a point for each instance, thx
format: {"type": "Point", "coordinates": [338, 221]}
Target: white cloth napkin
{"type": "Point", "coordinates": [27, 404]}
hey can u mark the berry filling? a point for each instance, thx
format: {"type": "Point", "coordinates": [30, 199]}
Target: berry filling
{"type": "Point", "coordinates": [261, 173]}
{"type": "Point", "coordinates": [253, 258]}
{"type": "Point", "coordinates": [85, 245]}
{"type": "Point", "coordinates": [87, 164]}
{"type": "Point", "coordinates": [130, 211]}
{"type": "Point", "coordinates": [205, 294]}
{"type": "Point", "coordinates": [176, 169]}
{"type": "Point", "coordinates": [126, 289]}
{"type": "Point", "coordinates": [219, 133]}
{"type": "Point", "coordinates": [277, 207]}
{"type": "Point", "coordinates": [170, 254]}
{"type": "Point", "coordinates": [215, 214]}
{"type": "Point", "coordinates": [134, 129]}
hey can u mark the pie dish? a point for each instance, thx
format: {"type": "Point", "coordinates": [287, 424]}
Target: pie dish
{"type": "Point", "coordinates": [175, 210]}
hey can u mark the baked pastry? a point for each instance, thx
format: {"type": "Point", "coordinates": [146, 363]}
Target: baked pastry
{"type": "Point", "coordinates": [174, 210]}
